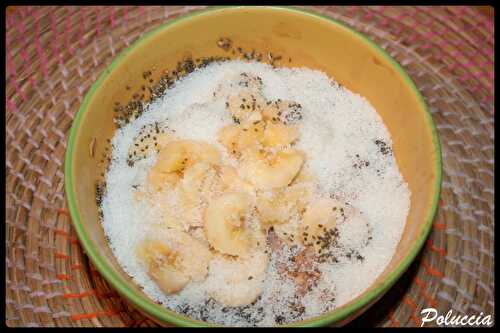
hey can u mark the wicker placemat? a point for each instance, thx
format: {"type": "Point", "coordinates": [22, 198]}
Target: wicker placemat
{"type": "Point", "coordinates": [54, 54]}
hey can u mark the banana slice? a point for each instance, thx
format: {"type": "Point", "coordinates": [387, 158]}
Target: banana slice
{"type": "Point", "coordinates": [160, 180]}
{"type": "Point", "coordinates": [237, 139]}
{"type": "Point", "coordinates": [237, 282]}
{"type": "Point", "coordinates": [299, 195]}
{"type": "Point", "coordinates": [289, 232]}
{"type": "Point", "coordinates": [279, 135]}
{"type": "Point", "coordinates": [272, 171]}
{"type": "Point", "coordinates": [304, 176]}
{"type": "Point", "coordinates": [318, 225]}
{"type": "Point", "coordinates": [227, 225]}
{"type": "Point", "coordinates": [279, 206]}
{"type": "Point", "coordinates": [163, 266]}
{"type": "Point", "coordinates": [173, 259]}
{"type": "Point", "coordinates": [170, 221]}
{"type": "Point", "coordinates": [199, 183]}
{"type": "Point", "coordinates": [245, 105]}
{"type": "Point", "coordinates": [272, 110]}
{"type": "Point", "coordinates": [250, 82]}
{"type": "Point", "coordinates": [150, 139]}
{"type": "Point", "coordinates": [286, 112]}
{"type": "Point", "coordinates": [273, 209]}
{"type": "Point", "coordinates": [178, 155]}
{"type": "Point", "coordinates": [232, 182]}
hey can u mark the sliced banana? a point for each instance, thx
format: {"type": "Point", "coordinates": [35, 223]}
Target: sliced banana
{"type": "Point", "coordinates": [178, 155]}
{"type": "Point", "coordinates": [279, 206]}
{"type": "Point", "coordinates": [286, 112]}
{"type": "Point", "coordinates": [199, 183]}
{"type": "Point", "coordinates": [227, 225]}
{"type": "Point", "coordinates": [273, 209]}
{"type": "Point", "coordinates": [238, 138]}
{"type": "Point", "coordinates": [232, 182]}
{"type": "Point", "coordinates": [266, 171]}
{"type": "Point", "coordinates": [289, 232]}
{"type": "Point", "coordinates": [150, 139]}
{"type": "Point", "coordinates": [250, 82]}
{"type": "Point", "coordinates": [272, 111]}
{"type": "Point", "coordinates": [229, 137]}
{"type": "Point", "coordinates": [299, 195]}
{"type": "Point", "coordinates": [319, 220]}
{"type": "Point", "coordinates": [304, 176]}
{"type": "Point", "coordinates": [237, 282]}
{"type": "Point", "coordinates": [160, 180]}
{"type": "Point", "coordinates": [279, 135]}
{"type": "Point", "coordinates": [173, 259]}
{"type": "Point", "coordinates": [245, 105]}
{"type": "Point", "coordinates": [170, 221]}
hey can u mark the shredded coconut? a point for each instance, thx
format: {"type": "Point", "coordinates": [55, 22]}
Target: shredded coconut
{"type": "Point", "coordinates": [348, 150]}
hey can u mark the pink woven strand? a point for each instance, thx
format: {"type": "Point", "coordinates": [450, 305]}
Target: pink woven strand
{"type": "Point", "coordinates": [112, 16]}
{"type": "Point", "coordinates": [82, 26]}
{"type": "Point", "coordinates": [35, 14]}
{"type": "Point", "coordinates": [98, 20]}
{"type": "Point", "coordinates": [22, 12]}
{"type": "Point", "coordinates": [11, 68]}
{"type": "Point", "coordinates": [125, 14]}
{"type": "Point", "coordinates": [11, 104]}
{"type": "Point", "coordinates": [55, 37]}
{"type": "Point", "coordinates": [23, 49]}
{"type": "Point", "coordinates": [18, 89]}
{"type": "Point", "coordinates": [20, 25]}
{"type": "Point", "coordinates": [41, 56]}
{"type": "Point", "coordinates": [67, 32]}
{"type": "Point", "coordinates": [10, 21]}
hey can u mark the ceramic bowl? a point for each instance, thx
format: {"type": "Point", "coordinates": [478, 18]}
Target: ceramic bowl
{"type": "Point", "coordinates": [309, 40]}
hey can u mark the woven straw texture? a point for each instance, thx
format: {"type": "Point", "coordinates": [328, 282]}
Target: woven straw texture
{"type": "Point", "coordinates": [54, 54]}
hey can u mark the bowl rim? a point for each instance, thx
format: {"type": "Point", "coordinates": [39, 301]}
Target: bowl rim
{"type": "Point", "coordinates": [165, 315]}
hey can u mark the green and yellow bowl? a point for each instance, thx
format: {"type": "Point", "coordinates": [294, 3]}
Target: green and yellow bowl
{"type": "Point", "coordinates": [310, 40]}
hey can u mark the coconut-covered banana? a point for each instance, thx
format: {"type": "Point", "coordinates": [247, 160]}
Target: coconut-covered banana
{"type": "Point", "coordinates": [245, 106]}
{"type": "Point", "coordinates": [228, 227]}
{"type": "Point", "coordinates": [237, 138]}
{"type": "Point", "coordinates": [268, 171]}
{"type": "Point", "coordinates": [176, 156]}
{"type": "Point", "coordinates": [150, 139]}
{"type": "Point", "coordinates": [235, 281]}
{"type": "Point", "coordinates": [286, 112]}
{"type": "Point", "coordinates": [279, 206]}
{"type": "Point", "coordinates": [232, 182]}
{"type": "Point", "coordinates": [317, 229]}
{"type": "Point", "coordinates": [316, 222]}
{"type": "Point", "coordinates": [173, 259]}
{"type": "Point", "coordinates": [199, 182]}
{"type": "Point", "coordinates": [278, 135]}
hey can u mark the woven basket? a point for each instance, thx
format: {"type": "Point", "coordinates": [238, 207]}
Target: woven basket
{"type": "Point", "coordinates": [54, 54]}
